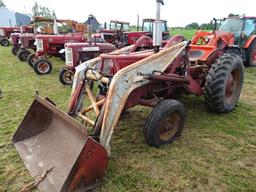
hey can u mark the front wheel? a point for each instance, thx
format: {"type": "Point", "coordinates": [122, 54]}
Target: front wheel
{"type": "Point", "coordinates": [15, 50]}
{"type": "Point", "coordinates": [31, 59]}
{"type": "Point", "coordinates": [224, 83]}
{"type": "Point", "coordinates": [4, 42]}
{"type": "Point", "coordinates": [23, 54]}
{"type": "Point", "coordinates": [42, 66]}
{"type": "Point", "coordinates": [66, 76]}
{"type": "Point", "coordinates": [165, 123]}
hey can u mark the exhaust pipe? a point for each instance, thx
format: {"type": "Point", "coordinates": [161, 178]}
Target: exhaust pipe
{"type": "Point", "coordinates": [157, 33]}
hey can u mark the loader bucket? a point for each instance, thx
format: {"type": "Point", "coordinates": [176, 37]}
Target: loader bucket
{"type": "Point", "coordinates": [49, 141]}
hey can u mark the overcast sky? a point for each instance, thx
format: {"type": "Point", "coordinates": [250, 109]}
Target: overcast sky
{"type": "Point", "coordinates": [176, 12]}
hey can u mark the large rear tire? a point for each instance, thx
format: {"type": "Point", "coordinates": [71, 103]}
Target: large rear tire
{"type": "Point", "coordinates": [23, 54]}
{"type": "Point", "coordinates": [42, 66]}
{"type": "Point", "coordinates": [251, 55]}
{"type": "Point", "coordinates": [4, 42]}
{"type": "Point", "coordinates": [66, 76]}
{"type": "Point", "coordinates": [224, 83]}
{"type": "Point", "coordinates": [165, 123]}
{"type": "Point", "coordinates": [31, 59]}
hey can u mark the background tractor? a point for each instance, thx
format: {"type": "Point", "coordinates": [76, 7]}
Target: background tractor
{"type": "Point", "coordinates": [51, 45]}
{"type": "Point", "coordinates": [15, 38]}
{"type": "Point", "coordinates": [5, 33]}
{"type": "Point", "coordinates": [76, 53]}
{"type": "Point", "coordinates": [48, 26]}
{"type": "Point", "coordinates": [235, 35]}
{"type": "Point", "coordinates": [114, 33]}
{"type": "Point", "coordinates": [130, 38]}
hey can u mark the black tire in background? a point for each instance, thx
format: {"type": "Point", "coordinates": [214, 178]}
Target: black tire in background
{"type": "Point", "coordinates": [66, 76]}
{"type": "Point", "coordinates": [15, 50]}
{"type": "Point", "coordinates": [31, 59]}
{"type": "Point", "coordinates": [165, 123]}
{"type": "Point", "coordinates": [4, 42]}
{"type": "Point", "coordinates": [23, 54]}
{"type": "Point", "coordinates": [224, 83]}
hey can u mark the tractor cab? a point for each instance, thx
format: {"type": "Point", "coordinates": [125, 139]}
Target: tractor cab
{"type": "Point", "coordinates": [147, 30]}
{"type": "Point", "coordinates": [147, 25]}
{"type": "Point", "coordinates": [114, 33]}
{"type": "Point", "coordinates": [242, 28]}
{"type": "Point", "coordinates": [119, 25]}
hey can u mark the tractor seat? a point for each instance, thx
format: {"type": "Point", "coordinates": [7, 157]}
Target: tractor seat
{"type": "Point", "coordinates": [195, 55]}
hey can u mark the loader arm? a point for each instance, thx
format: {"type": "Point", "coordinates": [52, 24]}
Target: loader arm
{"type": "Point", "coordinates": [127, 80]}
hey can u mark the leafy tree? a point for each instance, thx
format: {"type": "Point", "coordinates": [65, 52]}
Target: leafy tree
{"type": "Point", "coordinates": [39, 10]}
{"type": "Point", "coordinates": [233, 15]}
{"type": "Point", "coordinates": [207, 26]}
{"type": "Point", "coordinates": [193, 25]}
{"type": "Point", "coordinates": [2, 4]}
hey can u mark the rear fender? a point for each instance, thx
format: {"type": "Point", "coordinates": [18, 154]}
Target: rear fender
{"type": "Point", "coordinates": [249, 41]}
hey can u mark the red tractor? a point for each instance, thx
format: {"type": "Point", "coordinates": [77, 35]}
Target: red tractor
{"type": "Point", "coordinates": [51, 45]}
{"type": "Point", "coordinates": [15, 39]}
{"type": "Point", "coordinates": [235, 35]}
{"type": "Point", "coordinates": [5, 33]}
{"type": "Point", "coordinates": [77, 160]}
{"type": "Point", "coordinates": [27, 41]}
{"type": "Point", "coordinates": [114, 33]}
{"type": "Point", "coordinates": [130, 38]}
{"type": "Point", "coordinates": [77, 53]}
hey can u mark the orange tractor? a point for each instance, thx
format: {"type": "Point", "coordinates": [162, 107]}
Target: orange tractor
{"type": "Point", "coordinates": [235, 35]}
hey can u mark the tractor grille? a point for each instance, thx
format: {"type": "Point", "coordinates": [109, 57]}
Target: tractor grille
{"type": "Point", "coordinates": [1, 32]}
{"type": "Point", "coordinates": [69, 56]}
{"type": "Point", "coordinates": [39, 45]}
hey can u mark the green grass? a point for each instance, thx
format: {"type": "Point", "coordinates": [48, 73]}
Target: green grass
{"type": "Point", "coordinates": [215, 152]}
{"type": "Point", "coordinates": [188, 34]}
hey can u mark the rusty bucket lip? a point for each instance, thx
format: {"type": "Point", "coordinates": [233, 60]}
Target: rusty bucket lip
{"type": "Point", "coordinates": [80, 150]}
{"type": "Point", "coordinates": [75, 124]}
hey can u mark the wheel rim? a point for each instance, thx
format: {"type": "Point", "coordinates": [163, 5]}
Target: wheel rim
{"type": "Point", "coordinates": [43, 67]}
{"type": "Point", "coordinates": [24, 56]}
{"type": "Point", "coordinates": [68, 76]}
{"type": "Point", "coordinates": [169, 126]}
{"type": "Point", "coordinates": [33, 58]}
{"type": "Point", "coordinates": [5, 42]}
{"type": "Point", "coordinates": [233, 86]}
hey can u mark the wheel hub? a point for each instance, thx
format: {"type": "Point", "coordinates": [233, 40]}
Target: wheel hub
{"type": "Point", "coordinates": [169, 126]}
{"type": "Point", "coordinates": [43, 67]}
{"type": "Point", "coordinates": [232, 86]}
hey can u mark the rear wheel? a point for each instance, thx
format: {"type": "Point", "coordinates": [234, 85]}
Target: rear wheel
{"type": "Point", "coordinates": [15, 50]}
{"type": "Point", "coordinates": [4, 42]}
{"type": "Point", "coordinates": [31, 59]}
{"type": "Point", "coordinates": [66, 76]}
{"type": "Point", "coordinates": [42, 66]}
{"type": "Point", "coordinates": [23, 54]}
{"type": "Point", "coordinates": [251, 54]}
{"type": "Point", "coordinates": [164, 123]}
{"type": "Point", "coordinates": [224, 83]}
